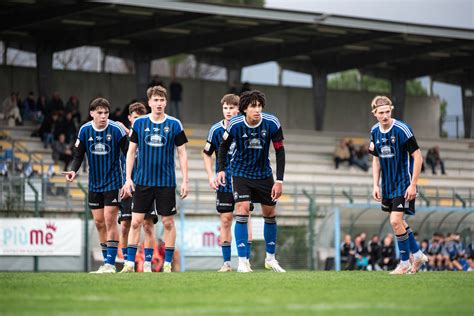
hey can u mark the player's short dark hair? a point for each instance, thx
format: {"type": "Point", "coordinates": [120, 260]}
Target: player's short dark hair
{"type": "Point", "coordinates": [251, 97]}
{"type": "Point", "coordinates": [156, 90]}
{"type": "Point", "coordinates": [231, 99]}
{"type": "Point", "coordinates": [137, 107]}
{"type": "Point", "coordinates": [99, 103]}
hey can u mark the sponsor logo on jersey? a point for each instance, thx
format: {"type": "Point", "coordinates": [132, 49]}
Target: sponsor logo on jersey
{"type": "Point", "coordinates": [231, 149]}
{"type": "Point", "coordinates": [99, 138]}
{"type": "Point", "coordinates": [386, 152]}
{"type": "Point", "coordinates": [254, 143]}
{"type": "Point", "coordinates": [99, 149]}
{"type": "Point", "coordinates": [155, 140]}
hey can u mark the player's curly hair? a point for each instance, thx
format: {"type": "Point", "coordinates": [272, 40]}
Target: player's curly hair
{"type": "Point", "coordinates": [379, 101]}
{"type": "Point", "coordinates": [251, 97]}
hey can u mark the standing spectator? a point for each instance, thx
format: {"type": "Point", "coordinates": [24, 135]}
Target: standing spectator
{"type": "Point", "coordinates": [62, 151]}
{"type": "Point", "coordinates": [176, 90]}
{"type": "Point", "coordinates": [348, 252]}
{"type": "Point", "coordinates": [341, 153]}
{"type": "Point", "coordinates": [433, 159]}
{"type": "Point", "coordinates": [375, 253]}
{"type": "Point", "coordinates": [67, 127]}
{"type": "Point", "coordinates": [55, 105]}
{"type": "Point", "coordinates": [389, 258]}
{"type": "Point", "coordinates": [47, 128]}
{"type": "Point", "coordinates": [72, 106]}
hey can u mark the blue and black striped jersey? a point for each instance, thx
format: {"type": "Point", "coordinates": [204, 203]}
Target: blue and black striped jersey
{"type": "Point", "coordinates": [252, 144]}
{"type": "Point", "coordinates": [156, 145]}
{"type": "Point", "coordinates": [394, 147]}
{"type": "Point", "coordinates": [103, 149]}
{"type": "Point", "coordinates": [214, 140]}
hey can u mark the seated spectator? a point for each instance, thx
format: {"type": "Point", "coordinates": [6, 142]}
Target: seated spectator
{"type": "Point", "coordinates": [455, 252]}
{"type": "Point", "coordinates": [41, 105]}
{"type": "Point", "coordinates": [47, 128]}
{"type": "Point", "coordinates": [469, 253]}
{"type": "Point", "coordinates": [361, 157]}
{"type": "Point", "coordinates": [11, 110]}
{"type": "Point", "coordinates": [438, 258]}
{"type": "Point", "coordinates": [375, 253]}
{"type": "Point", "coordinates": [55, 105]}
{"type": "Point", "coordinates": [67, 127]}
{"type": "Point", "coordinates": [433, 159]}
{"type": "Point", "coordinates": [30, 111]}
{"type": "Point", "coordinates": [62, 151]}
{"type": "Point", "coordinates": [388, 259]}
{"type": "Point", "coordinates": [72, 106]}
{"type": "Point", "coordinates": [348, 253]}
{"type": "Point", "coordinates": [424, 247]}
{"type": "Point", "coordinates": [361, 253]}
{"type": "Point", "coordinates": [341, 153]}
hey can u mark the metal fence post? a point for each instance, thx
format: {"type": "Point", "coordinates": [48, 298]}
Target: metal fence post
{"type": "Point", "coordinates": [86, 227]}
{"type": "Point", "coordinates": [35, 258]}
{"type": "Point", "coordinates": [337, 238]}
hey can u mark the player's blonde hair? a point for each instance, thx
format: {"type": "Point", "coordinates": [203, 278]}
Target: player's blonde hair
{"type": "Point", "coordinates": [379, 101]}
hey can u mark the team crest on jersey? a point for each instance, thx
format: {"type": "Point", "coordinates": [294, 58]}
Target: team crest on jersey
{"type": "Point", "coordinates": [99, 149]}
{"type": "Point", "coordinates": [264, 133]}
{"type": "Point", "coordinates": [254, 143]}
{"type": "Point", "coordinates": [392, 139]}
{"type": "Point", "coordinates": [166, 129]}
{"type": "Point", "coordinates": [155, 140]}
{"type": "Point", "coordinates": [386, 152]}
{"type": "Point", "coordinates": [108, 137]}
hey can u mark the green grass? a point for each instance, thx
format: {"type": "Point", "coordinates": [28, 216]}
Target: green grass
{"type": "Point", "coordinates": [258, 293]}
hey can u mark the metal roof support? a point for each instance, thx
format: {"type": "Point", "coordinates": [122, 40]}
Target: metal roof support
{"type": "Point", "coordinates": [468, 105]}
{"type": "Point", "coordinates": [398, 94]}
{"type": "Point", "coordinates": [44, 69]}
{"type": "Point", "coordinates": [319, 76]}
{"type": "Point", "coordinates": [234, 76]}
{"type": "Point", "coordinates": [142, 73]}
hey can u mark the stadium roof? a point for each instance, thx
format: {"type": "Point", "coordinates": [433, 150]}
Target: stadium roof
{"type": "Point", "coordinates": [241, 36]}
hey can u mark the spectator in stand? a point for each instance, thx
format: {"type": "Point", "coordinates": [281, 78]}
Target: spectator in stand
{"type": "Point", "coordinates": [11, 110]}
{"type": "Point", "coordinates": [41, 105]}
{"type": "Point", "coordinates": [245, 87]}
{"type": "Point", "coordinates": [72, 106]}
{"type": "Point", "coordinates": [361, 253]}
{"type": "Point", "coordinates": [348, 253]}
{"type": "Point", "coordinates": [116, 115]}
{"type": "Point", "coordinates": [47, 128]}
{"type": "Point", "coordinates": [361, 157]}
{"type": "Point", "coordinates": [233, 88]}
{"type": "Point", "coordinates": [341, 153]}
{"type": "Point", "coordinates": [62, 151]}
{"type": "Point", "coordinates": [433, 159]}
{"type": "Point", "coordinates": [388, 260]}
{"type": "Point", "coordinates": [438, 257]}
{"type": "Point", "coordinates": [176, 91]}
{"type": "Point", "coordinates": [67, 127]}
{"type": "Point", "coordinates": [375, 253]}
{"type": "Point", "coordinates": [469, 253]}
{"type": "Point", "coordinates": [29, 107]}
{"type": "Point", "coordinates": [424, 247]}
{"type": "Point", "coordinates": [55, 105]}
{"type": "Point", "coordinates": [454, 251]}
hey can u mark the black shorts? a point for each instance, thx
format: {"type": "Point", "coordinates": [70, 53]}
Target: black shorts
{"type": "Point", "coordinates": [98, 200]}
{"type": "Point", "coordinates": [163, 197]}
{"type": "Point", "coordinates": [398, 204]}
{"type": "Point", "coordinates": [125, 212]}
{"type": "Point", "coordinates": [225, 202]}
{"type": "Point", "coordinates": [256, 191]}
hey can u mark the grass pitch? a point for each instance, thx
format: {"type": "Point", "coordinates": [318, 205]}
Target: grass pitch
{"type": "Point", "coordinates": [258, 293]}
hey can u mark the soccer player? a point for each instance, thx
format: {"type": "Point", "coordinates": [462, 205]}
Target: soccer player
{"type": "Point", "coordinates": [136, 110]}
{"type": "Point", "coordinates": [252, 177]}
{"type": "Point", "coordinates": [224, 199]}
{"type": "Point", "coordinates": [398, 159]}
{"type": "Point", "coordinates": [102, 140]}
{"type": "Point", "coordinates": [155, 136]}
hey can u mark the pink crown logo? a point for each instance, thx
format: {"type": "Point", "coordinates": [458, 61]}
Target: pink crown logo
{"type": "Point", "coordinates": [51, 226]}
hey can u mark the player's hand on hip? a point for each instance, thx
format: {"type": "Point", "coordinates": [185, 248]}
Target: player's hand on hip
{"type": "Point", "coordinates": [376, 194]}
{"type": "Point", "coordinates": [212, 183]}
{"type": "Point", "coordinates": [70, 175]}
{"type": "Point", "coordinates": [184, 189]}
{"type": "Point", "coordinates": [127, 189]}
{"type": "Point", "coordinates": [220, 179]}
{"type": "Point", "coordinates": [277, 190]}
{"type": "Point", "coordinates": [410, 194]}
